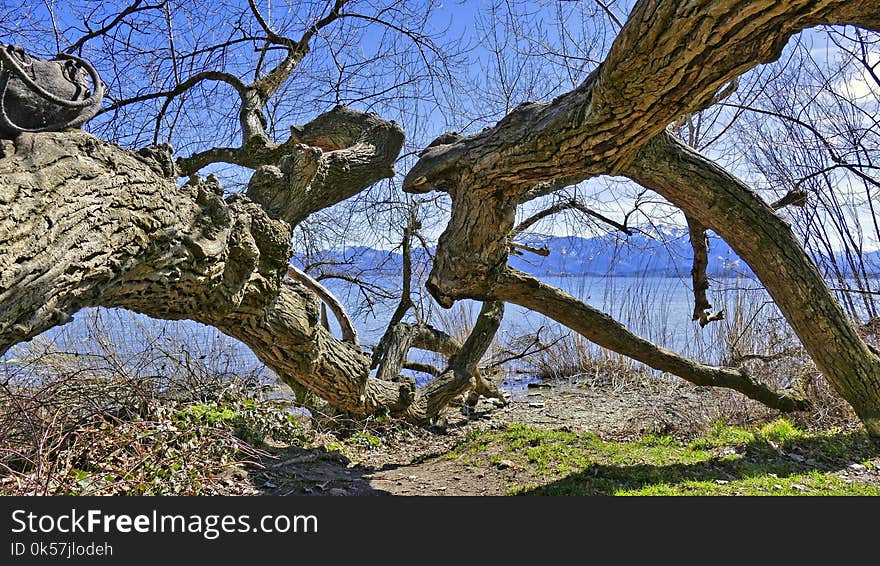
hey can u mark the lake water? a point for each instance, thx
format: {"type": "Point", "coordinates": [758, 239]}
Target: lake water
{"type": "Point", "coordinates": [657, 308]}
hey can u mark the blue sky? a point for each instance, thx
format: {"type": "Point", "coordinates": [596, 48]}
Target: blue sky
{"type": "Point", "coordinates": [484, 88]}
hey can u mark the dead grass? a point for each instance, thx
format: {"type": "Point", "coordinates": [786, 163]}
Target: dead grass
{"type": "Point", "coordinates": [112, 419]}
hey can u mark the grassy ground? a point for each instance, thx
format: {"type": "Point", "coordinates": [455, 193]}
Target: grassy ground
{"type": "Point", "coordinates": [166, 448]}
{"type": "Point", "coordinates": [575, 441]}
{"type": "Point", "coordinates": [775, 459]}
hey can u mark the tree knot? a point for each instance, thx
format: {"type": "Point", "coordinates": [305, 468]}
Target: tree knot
{"type": "Point", "coordinates": [160, 158]}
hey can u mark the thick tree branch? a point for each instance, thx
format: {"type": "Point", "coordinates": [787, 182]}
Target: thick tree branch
{"type": "Point", "coordinates": [364, 136]}
{"type": "Point", "coordinates": [463, 359]}
{"type": "Point", "coordinates": [308, 179]}
{"type": "Point", "coordinates": [346, 326]}
{"type": "Point", "coordinates": [177, 253]}
{"type": "Point", "coordinates": [794, 197]}
{"type": "Point", "coordinates": [396, 343]}
{"type": "Point", "coordinates": [422, 368]}
{"type": "Point", "coordinates": [462, 373]}
{"type": "Point", "coordinates": [767, 244]}
{"type": "Point", "coordinates": [515, 248]}
{"type": "Point", "coordinates": [519, 288]}
{"type": "Point", "coordinates": [426, 337]}
{"type": "Point", "coordinates": [692, 50]}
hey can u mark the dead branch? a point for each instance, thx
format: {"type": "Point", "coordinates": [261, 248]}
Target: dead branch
{"type": "Point", "coordinates": [346, 325]}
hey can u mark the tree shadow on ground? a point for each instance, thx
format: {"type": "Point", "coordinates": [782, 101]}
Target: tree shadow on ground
{"type": "Point", "coordinates": [295, 470]}
{"type": "Point", "coordinates": [763, 465]}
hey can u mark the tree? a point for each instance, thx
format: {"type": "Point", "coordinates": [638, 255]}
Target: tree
{"type": "Point", "coordinates": [662, 65]}
{"type": "Point", "coordinates": [817, 139]}
{"type": "Point", "coordinates": [188, 252]}
{"type": "Point", "coordinates": [86, 222]}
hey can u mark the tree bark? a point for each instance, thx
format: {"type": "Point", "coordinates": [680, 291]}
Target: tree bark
{"type": "Point", "coordinates": [599, 328]}
{"type": "Point", "coordinates": [84, 223]}
{"type": "Point", "coordinates": [670, 58]}
{"type": "Point", "coordinates": [346, 325]}
{"type": "Point", "coordinates": [699, 276]}
{"type": "Point", "coordinates": [766, 242]}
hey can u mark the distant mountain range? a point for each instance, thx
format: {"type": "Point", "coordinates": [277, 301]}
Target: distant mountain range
{"type": "Point", "coordinates": [636, 255]}
{"type": "Point", "coordinates": [668, 255]}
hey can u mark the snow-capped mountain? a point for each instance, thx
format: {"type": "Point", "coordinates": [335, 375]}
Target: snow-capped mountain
{"type": "Point", "coordinates": [668, 254]}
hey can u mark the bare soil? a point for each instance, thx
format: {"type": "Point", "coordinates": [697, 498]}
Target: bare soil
{"type": "Point", "coordinates": [414, 461]}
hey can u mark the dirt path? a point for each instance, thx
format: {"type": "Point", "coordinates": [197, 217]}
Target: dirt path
{"type": "Point", "coordinates": [415, 461]}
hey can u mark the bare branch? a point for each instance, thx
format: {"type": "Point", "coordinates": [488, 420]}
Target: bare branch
{"type": "Point", "coordinates": [349, 333]}
{"type": "Point", "coordinates": [405, 303]}
{"type": "Point", "coordinates": [270, 33]}
{"type": "Point", "coordinates": [611, 14]}
{"type": "Point", "coordinates": [227, 78]}
{"type": "Point", "coordinates": [516, 246]}
{"type": "Point", "coordinates": [765, 358]}
{"type": "Point", "coordinates": [573, 204]}
{"type": "Point", "coordinates": [731, 209]}
{"type": "Point", "coordinates": [600, 328]}
{"type": "Point", "coordinates": [838, 160]}
{"type": "Point", "coordinates": [133, 8]}
{"type": "Point", "coordinates": [794, 197]}
{"type": "Point", "coordinates": [272, 81]}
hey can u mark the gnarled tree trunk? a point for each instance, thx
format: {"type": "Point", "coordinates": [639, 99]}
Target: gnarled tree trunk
{"type": "Point", "coordinates": [670, 58]}
{"type": "Point", "coordinates": [84, 223]}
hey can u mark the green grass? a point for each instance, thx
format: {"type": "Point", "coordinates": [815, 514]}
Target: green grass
{"type": "Point", "coordinates": [775, 459]}
{"type": "Point", "coordinates": [251, 421]}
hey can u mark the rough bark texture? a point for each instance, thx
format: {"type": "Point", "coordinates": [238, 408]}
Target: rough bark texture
{"type": "Point", "coordinates": [766, 242]}
{"type": "Point", "coordinates": [85, 223]}
{"type": "Point", "coordinates": [346, 325]}
{"type": "Point", "coordinates": [598, 327]}
{"type": "Point", "coordinates": [699, 277]}
{"type": "Point", "coordinates": [311, 177]}
{"type": "Point", "coordinates": [462, 373]}
{"type": "Point", "coordinates": [670, 58]}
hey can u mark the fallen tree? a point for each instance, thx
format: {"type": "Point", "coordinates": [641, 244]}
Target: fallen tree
{"type": "Point", "coordinates": [669, 59]}
{"type": "Point", "coordinates": [84, 222]}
